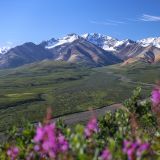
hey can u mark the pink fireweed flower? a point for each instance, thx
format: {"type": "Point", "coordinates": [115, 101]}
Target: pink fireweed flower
{"type": "Point", "coordinates": [62, 143]}
{"type": "Point", "coordinates": [155, 97]}
{"type": "Point", "coordinates": [135, 149]}
{"type": "Point", "coordinates": [49, 142]}
{"type": "Point", "coordinates": [13, 152]}
{"type": "Point", "coordinates": [143, 148]}
{"type": "Point", "coordinates": [106, 155]}
{"type": "Point", "coordinates": [39, 134]}
{"type": "Point", "coordinates": [92, 127]}
{"type": "Point", "coordinates": [46, 139]}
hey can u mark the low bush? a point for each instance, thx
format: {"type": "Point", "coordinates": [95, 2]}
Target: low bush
{"type": "Point", "coordinates": [130, 133]}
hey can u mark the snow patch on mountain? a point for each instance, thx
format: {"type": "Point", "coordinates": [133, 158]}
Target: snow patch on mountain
{"type": "Point", "coordinates": [106, 42]}
{"type": "Point", "coordinates": [4, 50]}
{"type": "Point", "coordinates": [67, 39]}
{"type": "Point", "coordinates": [150, 41]}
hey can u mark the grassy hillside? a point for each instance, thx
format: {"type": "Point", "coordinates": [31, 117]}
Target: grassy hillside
{"type": "Point", "coordinates": [27, 91]}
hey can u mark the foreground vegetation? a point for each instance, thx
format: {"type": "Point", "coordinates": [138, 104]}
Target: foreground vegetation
{"type": "Point", "coordinates": [130, 133]}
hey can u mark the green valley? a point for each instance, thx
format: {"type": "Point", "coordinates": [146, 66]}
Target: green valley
{"type": "Point", "coordinates": [27, 91]}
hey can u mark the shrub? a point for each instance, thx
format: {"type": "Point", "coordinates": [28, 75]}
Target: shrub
{"type": "Point", "coordinates": [129, 133]}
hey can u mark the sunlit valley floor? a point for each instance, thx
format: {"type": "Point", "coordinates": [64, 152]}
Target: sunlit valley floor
{"type": "Point", "coordinates": [27, 91]}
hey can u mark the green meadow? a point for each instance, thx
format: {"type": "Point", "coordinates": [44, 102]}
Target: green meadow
{"type": "Point", "coordinates": [26, 92]}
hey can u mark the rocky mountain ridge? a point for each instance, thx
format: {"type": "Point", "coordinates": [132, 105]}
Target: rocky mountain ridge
{"type": "Point", "coordinates": [92, 49]}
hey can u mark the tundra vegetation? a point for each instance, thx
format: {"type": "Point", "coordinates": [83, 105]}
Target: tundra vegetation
{"type": "Point", "coordinates": [130, 133]}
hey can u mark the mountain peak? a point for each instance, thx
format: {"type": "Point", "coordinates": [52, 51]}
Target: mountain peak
{"type": "Point", "coordinates": [155, 41]}
{"type": "Point", "coordinates": [103, 41]}
{"type": "Point", "coordinates": [95, 35]}
{"type": "Point", "coordinates": [69, 38]}
{"type": "Point", "coordinates": [72, 34]}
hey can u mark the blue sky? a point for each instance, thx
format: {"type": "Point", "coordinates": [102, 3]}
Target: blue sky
{"type": "Point", "coordinates": [37, 20]}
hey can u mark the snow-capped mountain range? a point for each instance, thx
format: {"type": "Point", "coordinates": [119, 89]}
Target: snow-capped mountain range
{"type": "Point", "coordinates": [105, 42]}
{"type": "Point", "coordinates": [93, 49]}
{"type": "Point", "coordinates": [124, 49]}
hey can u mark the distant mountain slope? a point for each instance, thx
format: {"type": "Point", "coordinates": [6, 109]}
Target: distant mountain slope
{"type": "Point", "coordinates": [127, 49]}
{"type": "Point", "coordinates": [148, 54]}
{"type": "Point", "coordinates": [24, 54]}
{"type": "Point", "coordinates": [71, 48]}
{"type": "Point", "coordinates": [92, 49]}
{"type": "Point", "coordinates": [81, 50]}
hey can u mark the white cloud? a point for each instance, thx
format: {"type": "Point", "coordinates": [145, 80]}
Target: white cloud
{"type": "Point", "coordinates": [149, 18]}
{"type": "Point", "coordinates": [107, 22]}
{"type": "Point", "coordinates": [103, 23]}
{"type": "Point", "coordinates": [116, 22]}
{"type": "Point", "coordinates": [131, 20]}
